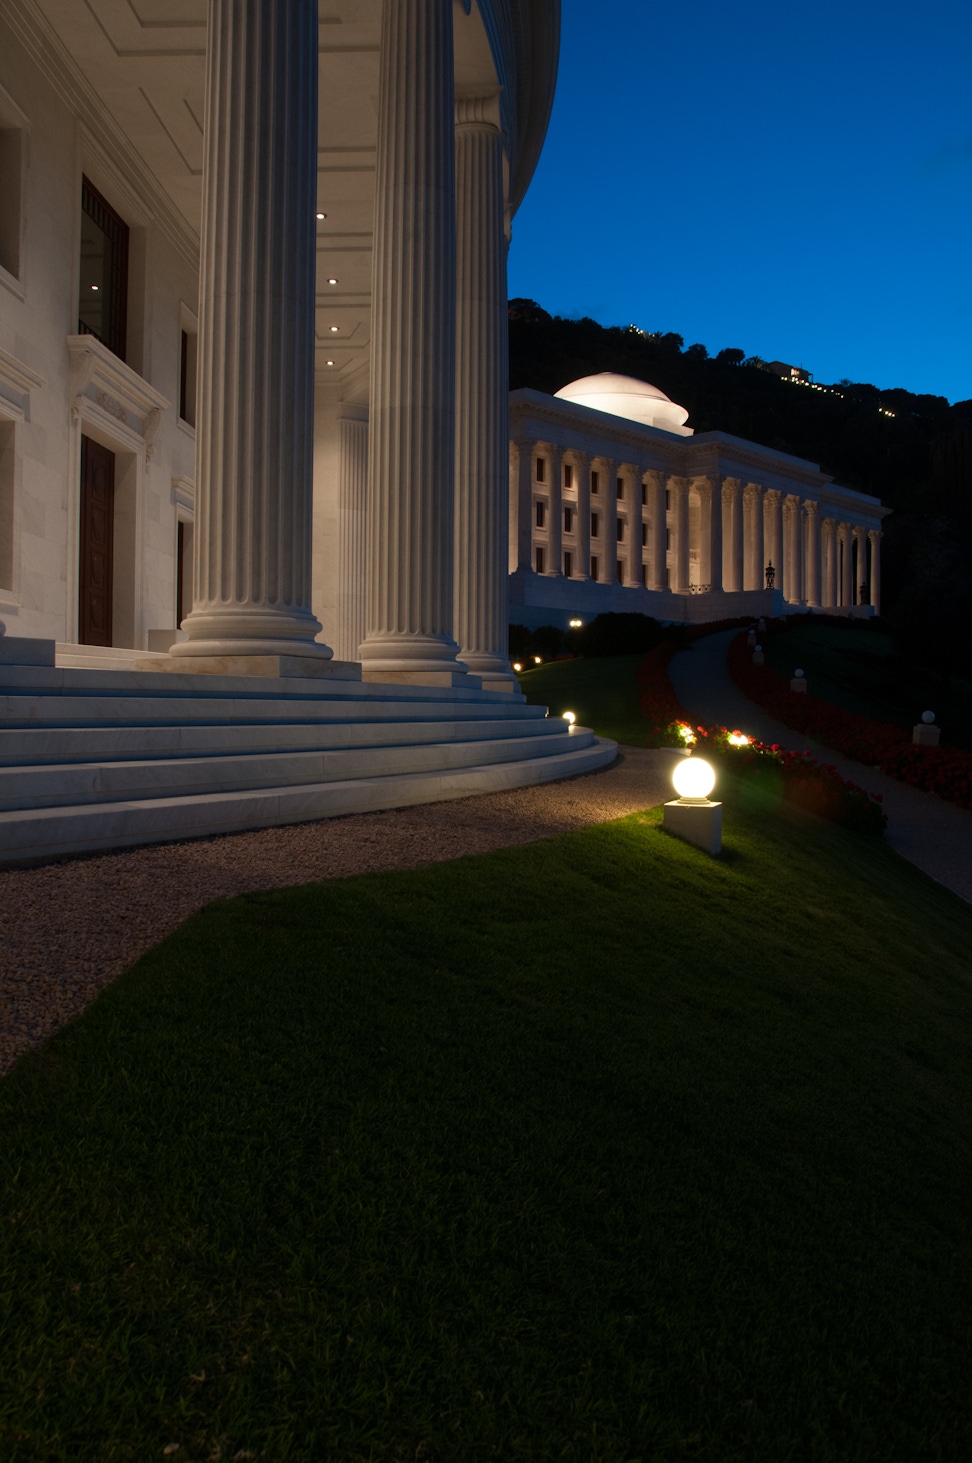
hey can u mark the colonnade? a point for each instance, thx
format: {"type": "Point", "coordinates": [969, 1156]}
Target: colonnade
{"type": "Point", "coordinates": [436, 474]}
{"type": "Point", "coordinates": [632, 525]}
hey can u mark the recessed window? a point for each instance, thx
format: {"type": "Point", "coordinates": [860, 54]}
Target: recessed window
{"type": "Point", "coordinates": [568, 475]}
{"type": "Point", "coordinates": [644, 535]}
{"type": "Point", "coordinates": [620, 530]}
{"type": "Point", "coordinates": [595, 525]}
{"type": "Point", "coordinates": [594, 567]}
{"type": "Point", "coordinates": [620, 569]}
{"type": "Point", "coordinates": [595, 483]}
{"type": "Point", "coordinates": [644, 494]}
{"type": "Point", "coordinates": [668, 499]}
{"type": "Point", "coordinates": [568, 565]}
{"type": "Point", "coordinates": [668, 538]}
{"type": "Point", "coordinates": [541, 469]}
{"type": "Point", "coordinates": [11, 196]}
{"type": "Point", "coordinates": [183, 570]}
{"type": "Point", "coordinates": [644, 575]}
{"type": "Point", "coordinates": [568, 520]}
{"type": "Point", "coordinates": [668, 578]}
{"type": "Point", "coordinates": [541, 514]}
{"type": "Point", "coordinates": [539, 558]}
{"type": "Point", "coordinates": [187, 377]}
{"type": "Point", "coordinates": [619, 483]}
{"type": "Point", "coordinates": [103, 294]}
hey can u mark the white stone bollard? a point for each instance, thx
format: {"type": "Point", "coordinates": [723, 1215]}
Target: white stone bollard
{"type": "Point", "coordinates": [758, 656]}
{"type": "Point", "coordinates": [925, 733]}
{"type": "Point", "coordinates": [699, 823]}
{"type": "Point", "coordinates": [751, 638]}
{"type": "Point", "coordinates": [798, 682]}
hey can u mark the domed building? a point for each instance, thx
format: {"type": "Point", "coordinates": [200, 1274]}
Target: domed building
{"type": "Point", "coordinates": [616, 504]}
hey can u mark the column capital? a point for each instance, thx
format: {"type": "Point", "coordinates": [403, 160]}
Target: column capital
{"type": "Point", "coordinates": [812, 507]}
{"type": "Point", "coordinates": [828, 525]}
{"type": "Point", "coordinates": [791, 504]}
{"type": "Point", "coordinates": [773, 497]}
{"type": "Point", "coordinates": [656, 474]}
{"type": "Point", "coordinates": [478, 108]}
{"type": "Point", "coordinates": [678, 484]}
{"type": "Point", "coordinates": [875, 535]}
{"type": "Point", "coordinates": [580, 456]}
{"type": "Point", "coordinates": [731, 484]}
{"type": "Point", "coordinates": [752, 492]}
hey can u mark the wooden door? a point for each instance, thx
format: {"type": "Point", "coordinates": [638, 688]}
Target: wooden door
{"type": "Point", "coordinates": [97, 531]}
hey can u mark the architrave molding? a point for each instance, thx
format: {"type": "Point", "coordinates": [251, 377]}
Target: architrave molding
{"type": "Point", "coordinates": [101, 380]}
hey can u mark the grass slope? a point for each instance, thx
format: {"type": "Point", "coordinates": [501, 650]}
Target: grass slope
{"type": "Point", "coordinates": [602, 693]}
{"type": "Point", "coordinates": [857, 668]}
{"type": "Point", "coordinates": [596, 1149]}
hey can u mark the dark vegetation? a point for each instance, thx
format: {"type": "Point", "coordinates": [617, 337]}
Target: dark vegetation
{"type": "Point", "coordinates": [609, 634]}
{"type": "Point", "coordinates": [596, 1148]}
{"type": "Point", "coordinates": [918, 461]}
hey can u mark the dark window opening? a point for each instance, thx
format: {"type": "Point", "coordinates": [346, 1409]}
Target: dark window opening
{"type": "Point", "coordinates": [187, 379]}
{"type": "Point", "coordinates": [541, 514]}
{"type": "Point", "coordinates": [568, 565]}
{"type": "Point", "coordinates": [568, 475]}
{"type": "Point", "coordinates": [620, 487]}
{"type": "Point", "coordinates": [644, 494]}
{"type": "Point", "coordinates": [595, 525]}
{"type": "Point", "coordinates": [103, 297]}
{"type": "Point", "coordinates": [538, 559]}
{"type": "Point", "coordinates": [541, 469]}
{"type": "Point", "coordinates": [568, 520]}
{"type": "Point", "coordinates": [620, 569]}
{"type": "Point", "coordinates": [594, 567]}
{"type": "Point", "coordinates": [620, 530]}
{"type": "Point", "coordinates": [595, 483]}
{"type": "Point", "coordinates": [644, 535]}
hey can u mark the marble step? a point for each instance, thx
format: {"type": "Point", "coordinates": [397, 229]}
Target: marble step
{"type": "Point", "coordinates": [92, 782]}
{"type": "Point", "coordinates": [38, 834]}
{"type": "Point", "coordinates": [38, 745]}
{"type": "Point", "coordinates": [42, 680]}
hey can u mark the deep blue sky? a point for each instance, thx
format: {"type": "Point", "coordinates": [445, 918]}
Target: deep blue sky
{"type": "Point", "coordinates": [794, 179]}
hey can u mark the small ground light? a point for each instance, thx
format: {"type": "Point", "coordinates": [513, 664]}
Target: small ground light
{"type": "Point", "coordinates": [517, 665]}
{"type": "Point", "coordinates": [332, 281]}
{"type": "Point", "coordinates": [322, 215]}
{"type": "Point", "coordinates": [692, 816]}
{"type": "Point", "coordinates": [569, 717]}
{"type": "Point", "coordinates": [738, 739]}
{"type": "Point", "coordinates": [575, 624]}
{"type": "Point", "coordinates": [537, 660]}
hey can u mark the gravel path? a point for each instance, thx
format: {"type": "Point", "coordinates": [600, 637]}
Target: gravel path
{"type": "Point", "coordinates": [68, 929]}
{"type": "Point", "coordinates": [934, 835]}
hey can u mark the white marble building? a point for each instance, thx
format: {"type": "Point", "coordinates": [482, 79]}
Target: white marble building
{"type": "Point", "coordinates": [253, 381]}
{"type": "Point", "coordinates": [617, 505]}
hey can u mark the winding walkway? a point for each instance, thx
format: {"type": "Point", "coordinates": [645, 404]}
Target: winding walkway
{"type": "Point", "coordinates": [934, 835]}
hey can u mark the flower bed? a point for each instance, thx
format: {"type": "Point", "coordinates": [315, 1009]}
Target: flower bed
{"type": "Point", "coordinates": [945, 771]}
{"type": "Point", "coordinates": [796, 776]}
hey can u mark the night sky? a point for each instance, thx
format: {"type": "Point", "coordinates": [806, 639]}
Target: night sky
{"type": "Point", "coordinates": [791, 179]}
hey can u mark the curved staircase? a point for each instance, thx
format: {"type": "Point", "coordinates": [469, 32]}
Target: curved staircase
{"type": "Point", "coordinates": [101, 758]}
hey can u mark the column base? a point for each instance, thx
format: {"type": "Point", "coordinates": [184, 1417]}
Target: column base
{"type": "Point", "coordinates": [278, 667]}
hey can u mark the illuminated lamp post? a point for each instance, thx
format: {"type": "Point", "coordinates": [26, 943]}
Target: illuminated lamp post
{"type": "Point", "coordinates": [692, 815]}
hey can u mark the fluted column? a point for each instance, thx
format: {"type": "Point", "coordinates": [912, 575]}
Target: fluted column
{"type": "Point", "coordinates": [411, 471]}
{"type": "Point", "coordinates": [773, 503]}
{"type": "Point", "coordinates": [860, 538]}
{"type": "Point", "coordinates": [812, 526]}
{"type": "Point", "coordinates": [555, 515]}
{"type": "Point", "coordinates": [480, 616]}
{"type": "Point", "coordinates": [710, 546]}
{"type": "Point", "coordinates": [521, 532]}
{"type": "Point", "coordinates": [609, 520]}
{"type": "Point", "coordinates": [657, 531]}
{"type": "Point", "coordinates": [679, 489]}
{"type": "Point", "coordinates": [632, 475]}
{"type": "Point", "coordinates": [754, 565]}
{"type": "Point", "coordinates": [352, 524]}
{"type": "Point", "coordinates": [792, 550]}
{"type": "Point", "coordinates": [846, 565]}
{"type": "Point", "coordinates": [733, 581]}
{"type": "Point", "coordinates": [255, 427]}
{"type": "Point", "coordinates": [582, 468]}
{"type": "Point", "coordinates": [874, 535]}
{"type": "Point", "coordinates": [829, 551]}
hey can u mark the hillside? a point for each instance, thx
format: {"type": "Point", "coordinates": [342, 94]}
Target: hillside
{"type": "Point", "coordinates": [918, 460]}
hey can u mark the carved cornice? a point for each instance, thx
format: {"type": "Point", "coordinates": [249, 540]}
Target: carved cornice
{"type": "Point", "coordinates": [184, 492]}
{"type": "Point", "coordinates": [99, 379]}
{"type": "Point", "coordinates": [17, 381]}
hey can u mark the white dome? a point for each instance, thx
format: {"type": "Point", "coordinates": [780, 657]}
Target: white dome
{"type": "Point", "coordinates": [624, 396]}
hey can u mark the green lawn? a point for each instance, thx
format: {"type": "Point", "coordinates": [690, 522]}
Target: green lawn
{"type": "Point", "coordinates": [857, 668]}
{"type": "Point", "coordinates": [595, 1149]}
{"type": "Point", "coordinates": [602, 693]}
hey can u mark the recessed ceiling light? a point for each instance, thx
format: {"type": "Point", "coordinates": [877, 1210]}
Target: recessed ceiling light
{"type": "Point", "coordinates": [94, 286]}
{"type": "Point", "coordinates": [330, 363]}
{"type": "Point", "coordinates": [332, 281]}
{"type": "Point", "coordinates": [322, 215]}
{"type": "Point", "coordinates": [334, 330]}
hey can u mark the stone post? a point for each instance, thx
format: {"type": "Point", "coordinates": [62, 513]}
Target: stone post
{"type": "Point", "coordinates": [480, 614]}
{"type": "Point", "coordinates": [773, 505]}
{"type": "Point", "coordinates": [255, 429]}
{"type": "Point", "coordinates": [710, 546]}
{"type": "Point", "coordinates": [411, 471]}
{"type": "Point", "coordinates": [812, 595]}
{"type": "Point", "coordinates": [352, 504]}
{"type": "Point", "coordinates": [679, 489]}
{"type": "Point", "coordinates": [657, 531]}
{"type": "Point", "coordinates": [754, 565]}
{"type": "Point", "coordinates": [874, 535]}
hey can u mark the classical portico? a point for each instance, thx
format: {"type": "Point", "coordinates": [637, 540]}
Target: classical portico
{"type": "Point", "coordinates": [682, 526]}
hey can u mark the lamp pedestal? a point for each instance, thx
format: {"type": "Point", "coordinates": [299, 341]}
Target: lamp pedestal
{"type": "Point", "coordinates": [697, 820]}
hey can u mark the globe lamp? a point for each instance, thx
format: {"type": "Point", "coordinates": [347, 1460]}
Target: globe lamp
{"type": "Point", "coordinates": [694, 779]}
{"type": "Point", "coordinates": [569, 717]}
